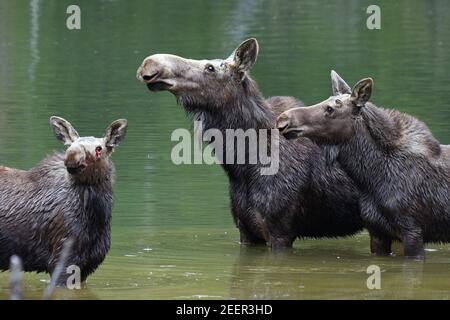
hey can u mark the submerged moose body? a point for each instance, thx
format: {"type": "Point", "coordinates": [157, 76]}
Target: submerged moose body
{"type": "Point", "coordinates": [67, 196]}
{"type": "Point", "coordinates": [401, 169]}
{"type": "Point", "coordinates": [306, 197]}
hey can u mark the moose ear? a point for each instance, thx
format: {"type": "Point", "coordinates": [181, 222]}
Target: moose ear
{"type": "Point", "coordinates": [361, 92]}
{"type": "Point", "coordinates": [244, 57]}
{"type": "Point", "coordinates": [63, 130]}
{"type": "Point", "coordinates": [338, 85]}
{"type": "Point", "coordinates": [116, 133]}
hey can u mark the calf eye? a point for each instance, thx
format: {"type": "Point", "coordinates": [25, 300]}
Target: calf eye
{"type": "Point", "coordinates": [210, 68]}
{"type": "Point", "coordinates": [330, 110]}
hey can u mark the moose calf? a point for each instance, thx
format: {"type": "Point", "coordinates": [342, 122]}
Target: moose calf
{"type": "Point", "coordinates": [401, 169]}
{"type": "Point", "coordinates": [67, 196]}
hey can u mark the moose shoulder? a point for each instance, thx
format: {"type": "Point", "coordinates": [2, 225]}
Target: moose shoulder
{"type": "Point", "coordinates": [306, 197]}
{"type": "Point", "coordinates": [401, 168]}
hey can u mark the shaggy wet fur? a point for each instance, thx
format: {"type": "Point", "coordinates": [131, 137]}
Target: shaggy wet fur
{"type": "Point", "coordinates": [404, 174]}
{"type": "Point", "coordinates": [305, 198]}
{"type": "Point", "coordinates": [42, 207]}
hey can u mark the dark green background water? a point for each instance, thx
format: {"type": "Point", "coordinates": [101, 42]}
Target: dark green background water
{"type": "Point", "coordinates": [172, 234]}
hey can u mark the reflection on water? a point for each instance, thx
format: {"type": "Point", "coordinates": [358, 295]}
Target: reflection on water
{"type": "Point", "coordinates": [173, 235]}
{"type": "Point", "coordinates": [330, 274]}
{"type": "Point", "coordinates": [34, 35]}
{"type": "Point", "coordinates": [210, 264]}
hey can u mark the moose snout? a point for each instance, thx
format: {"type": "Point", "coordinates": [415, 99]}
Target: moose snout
{"type": "Point", "coordinates": [147, 75]}
{"type": "Point", "coordinates": [289, 125]}
{"type": "Point", "coordinates": [156, 72]}
{"type": "Point", "coordinates": [74, 162]}
{"type": "Point", "coordinates": [149, 70]}
{"type": "Point", "coordinates": [283, 122]}
{"type": "Point", "coordinates": [148, 78]}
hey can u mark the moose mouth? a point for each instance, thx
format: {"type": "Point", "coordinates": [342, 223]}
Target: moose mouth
{"type": "Point", "coordinates": [77, 169]}
{"type": "Point", "coordinates": [289, 132]}
{"type": "Point", "coordinates": [155, 84]}
{"type": "Point", "coordinates": [292, 133]}
{"type": "Point", "coordinates": [159, 86]}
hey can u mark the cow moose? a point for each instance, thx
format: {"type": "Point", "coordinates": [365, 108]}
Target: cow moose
{"type": "Point", "coordinates": [306, 197]}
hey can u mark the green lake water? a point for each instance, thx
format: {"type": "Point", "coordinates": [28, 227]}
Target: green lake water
{"type": "Point", "coordinates": [172, 231]}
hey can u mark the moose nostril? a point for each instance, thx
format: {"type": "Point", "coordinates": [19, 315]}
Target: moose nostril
{"type": "Point", "coordinates": [282, 124]}
{"type": "Point", "coordinates": [149, 77]}
{"type": "Point", "coordinates": [75, 168]}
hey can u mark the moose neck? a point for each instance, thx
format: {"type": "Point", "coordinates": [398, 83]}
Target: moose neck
{"type": "Point", "coordinates": [98, 175]}
{"type": "Point", "coordinates": [364, 154]}
{"type": "Point", "coordinates": [95, 193]}
{"type": "Point", "coordinates": [247, 109]}
{"type": "Point", "coordinates": [380, 125]}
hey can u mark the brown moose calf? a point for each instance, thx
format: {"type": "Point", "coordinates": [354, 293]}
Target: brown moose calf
{"type": "Point", "coordinates": [401, 169]}
{"type": "Point", "coordinates": [67, 196]}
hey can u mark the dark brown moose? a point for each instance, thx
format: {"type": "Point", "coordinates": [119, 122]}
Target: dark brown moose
{"type": "Point", "coordinates": [67, 196]}
{"type": "Point", "coordinates": [306, 197]}
{"type": "Point", "coordinates": [401, 169]}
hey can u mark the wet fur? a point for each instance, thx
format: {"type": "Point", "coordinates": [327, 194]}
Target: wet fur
{"type": "Point", "coordinates": [308, 197]}
{"type": "Point", "coordinates": [404, 174]}
{"type": "Point", "coordinates": [42, 207]}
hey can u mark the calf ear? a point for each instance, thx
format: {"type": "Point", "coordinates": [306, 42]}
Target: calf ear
{"type": "Point", "coordinates": [338, 85]}
{"type": "Point", "coordinates": [116, 133]}
{"type": "Point", "coordinates": [63, 130]}
{"type": "Point", "coordinates": [244, 57]}
{"type": "Point", "coordinates": [361, 92]}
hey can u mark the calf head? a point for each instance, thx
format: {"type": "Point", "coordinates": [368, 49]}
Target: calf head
{"type": "Point", "coordinates": [330, 121]}
{"type": "Point", "coordinates": [85, 155]}
{"type": "Point", "coordinates": [200, 83]}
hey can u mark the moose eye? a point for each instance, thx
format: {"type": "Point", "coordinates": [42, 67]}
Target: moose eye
{"type": "Point", "coordinates": [330, 109]}
{"type": "Point", "coordinates": [210, 68]}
